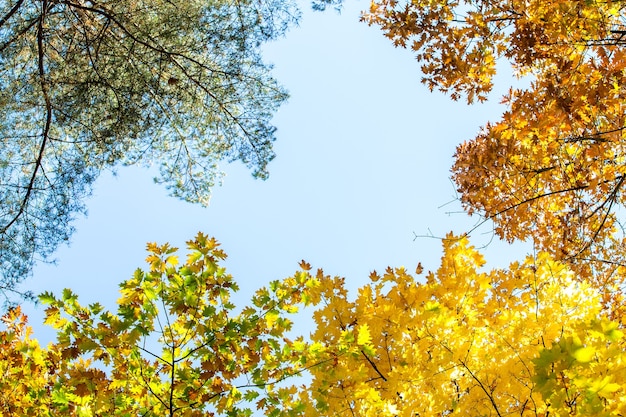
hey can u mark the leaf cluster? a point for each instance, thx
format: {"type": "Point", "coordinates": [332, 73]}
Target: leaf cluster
{"type": "Point", "coordinates": [551, 170]}
{"type": "Point", "coordinates": [176, 345]}
{"type": "Point", "coordinates": [526, 340]}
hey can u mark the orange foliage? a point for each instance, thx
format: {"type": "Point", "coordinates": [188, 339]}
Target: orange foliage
{"type": "Point", "coordinates": [552, 170]}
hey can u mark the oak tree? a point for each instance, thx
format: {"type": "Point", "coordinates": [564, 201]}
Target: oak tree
{"type": "Point", "coordinates": [552, 169]}
{"type": "Point", "coordinates": [88, 85]}
{"type": "Point", "coordinates": [176, 346]}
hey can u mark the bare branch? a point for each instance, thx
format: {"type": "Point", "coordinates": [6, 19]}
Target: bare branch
{"type": "Point", "coordinates": [48, 117]}
{"type": "Point", "coordinates": [11, 12]}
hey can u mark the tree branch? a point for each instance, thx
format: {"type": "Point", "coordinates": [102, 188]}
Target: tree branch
{"type": "Point", "coordinates": [172, 57]}
{"type": "Point", "coordinates": [11, 12]}
{"type": "Point", "coordinates": [48, 118]}
{"type": "Point", "coordinates": [480, 384]}
{"type": "Point", "coordinates": [373, 365]}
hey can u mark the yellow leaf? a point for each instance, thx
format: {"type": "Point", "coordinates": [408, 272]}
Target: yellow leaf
{"type": "Point", "coordinates": [363, 337]}
{"type": "Point", "coordinates": [604, 387]}
{"type": "Point", "coordinates": [172, 260]}
{"type": "Point", "coordinates": [584, 354]}
{"type": "Point", "coordinates": [271, 317]}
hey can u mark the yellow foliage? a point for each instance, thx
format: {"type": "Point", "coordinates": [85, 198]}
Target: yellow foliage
{"type": "Point", "coordinates": [467, 342]}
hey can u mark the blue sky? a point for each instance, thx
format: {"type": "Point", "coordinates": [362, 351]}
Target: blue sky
{"type": "Point", "coordinates": [363, 159]}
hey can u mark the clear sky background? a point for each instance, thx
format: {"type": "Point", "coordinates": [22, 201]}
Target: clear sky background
{"type": "Point", "coordinates": [363, 159]}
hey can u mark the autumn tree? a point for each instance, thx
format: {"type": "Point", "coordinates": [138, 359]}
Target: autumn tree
{"type": "Point", "coordinates": [527, 340]}
{"type": "Point", "coordinates": [88, 85]}
{"type": "Point", "coordinates": [551, 171]}
{"type": "Point", "coordinates": [176, 346]}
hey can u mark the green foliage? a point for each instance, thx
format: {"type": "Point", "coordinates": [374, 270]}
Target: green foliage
{"type": "Point", "coordinates": [86, 86]}
{"type": "Point", "coordinates": [177, 345]}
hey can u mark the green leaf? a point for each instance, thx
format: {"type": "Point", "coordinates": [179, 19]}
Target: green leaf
{"type": "Point", "coordinates": [250, 395]}
{"type": "Point", "coordinates": [96, 308]}
{"type": "Point", "coordinates": [47, 298]}
{"type": "Point", "coordinates": [60, 397]}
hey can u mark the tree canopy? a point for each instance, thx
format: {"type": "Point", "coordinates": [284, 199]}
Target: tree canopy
{"type": "Point", "coordinates": [176, 346]}
{"type": "Point", "coordinates": [551, 171]}
{"type": "Point", "coordinates": [88, 85]}
{"type": "Point", "coordinates": [531, 339]}
{"type": "Point", "coordinates": [541, 337]}
{"type": "Point", "coordinates": [527, 340]}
